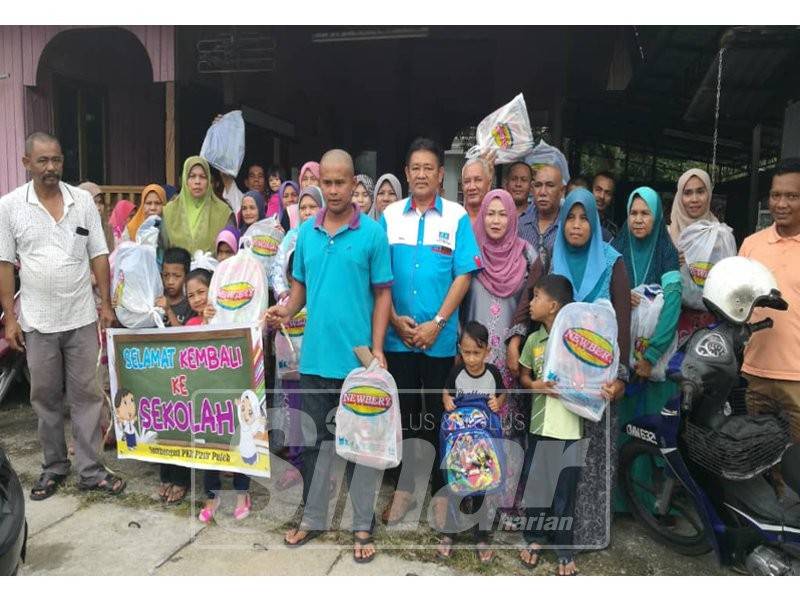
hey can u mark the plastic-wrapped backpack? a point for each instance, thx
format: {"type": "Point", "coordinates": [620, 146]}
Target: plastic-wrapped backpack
{"type": "Point", "coordinates": [136, 279]}
{"type": "Point", "coordinates": [644, 320]}
{"type": "Point", "coordinates": [703, 244]}
{"type": "Point", "coordinates": [368, 427]}
{"type": "Point", "coordinates": [265, 235]}
{"type": "Point", "coordinates": [582, 355]}
{"type": "Point", "coordinates": [507, 131]}
{"type": "Point", "coordinates": [238, 290]}
{"type": "Point", "coordinates": [471, 455]}
{"type": "Point", "coordinates": [223, 146]}
{"type": "Point", "coordinates": [545, 154]}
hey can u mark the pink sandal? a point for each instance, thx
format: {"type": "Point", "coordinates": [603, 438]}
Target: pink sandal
{"type": "Point", "coordinates": [241, 512]}
{"type": "Point", "coordinates": [207, 514]}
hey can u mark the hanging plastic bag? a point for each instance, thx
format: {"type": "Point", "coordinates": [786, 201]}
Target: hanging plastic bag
{"type": "Point", "coordinates": [223, 146]}
{"type": "Point", "coordinates": [368, 427]}
{"type": "Point", "coordinates": [703, 244]}
{"type": "Point", "coordinates": [507, 131]}
{"type": "Point", "coordinates": [265, 236]}
{"type": "Point", "coordinates": [582, 356]}
{"type": "Point", "coordinates": [238, 290]}
{"type": "Point", "coordinates": [288, 342]}
{"type": "Point", "coordinates": [204, 260]}
{"type": "Point", "coordinates": [471, 456]}
{"type": "Point", "coordinates": [545, 154]}
{"type": "Point", "coordinates": [136, 279]}
{"type": "Point", "coordinates": [644, 320]}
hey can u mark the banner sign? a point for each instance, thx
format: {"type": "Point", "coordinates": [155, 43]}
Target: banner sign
{"type": "Point", "coordinates": [190, 396]}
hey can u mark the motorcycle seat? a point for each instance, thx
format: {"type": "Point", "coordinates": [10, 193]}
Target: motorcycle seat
{"type": "Point", "coordinates": [790, 468]}
{"type": "Point", "coordinates": [757, 498]}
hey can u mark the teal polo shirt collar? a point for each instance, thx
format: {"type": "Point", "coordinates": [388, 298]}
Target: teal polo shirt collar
{"type": "Point", "coordinates": [354, 223]}
{"type": "Point", "coordinates": [412, 205]}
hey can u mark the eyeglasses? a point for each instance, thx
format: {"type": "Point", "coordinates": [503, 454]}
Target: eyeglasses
{"type": "Point", "coordinates": [791, 196]}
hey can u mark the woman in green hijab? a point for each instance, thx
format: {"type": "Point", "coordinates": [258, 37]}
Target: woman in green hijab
{"type": "Point", "coordinates": [650, 258]}
{"type": "Point", "coordinates": [194, 218]}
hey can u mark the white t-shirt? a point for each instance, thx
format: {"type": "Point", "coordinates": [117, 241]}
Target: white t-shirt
{"type": "Point", "coordinates": [55, 284]}
{"type": "Point", "coordinates": [233, 196]}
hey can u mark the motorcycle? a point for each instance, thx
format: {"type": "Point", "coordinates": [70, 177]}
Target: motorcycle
{"type": "Point", "coordinates": [701, 475]}
{"type": "Point", "coordinates": [13, 366]}
{"type": "Point", "coordinates": [13, 525]}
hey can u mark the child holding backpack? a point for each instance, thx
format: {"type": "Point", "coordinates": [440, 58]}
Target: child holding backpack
{"type": "Point", "coordinates": [550, 421]}
{"type": "Point", "coordinates": [475, 378]}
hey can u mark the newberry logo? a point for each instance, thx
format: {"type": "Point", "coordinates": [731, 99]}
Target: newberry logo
{"type": "Point", "coordinates": [265, 245]}
{"type": "Point", "coordinates": [699, 272]}
{"type": "Point", "coordinates": [501, 134]}
{"type": "Point", "coordinates": [366, 401]}
{"type": "Point", "coordinates": [589, 347]}
{"type": "Point", "coordinates": [235, 295]}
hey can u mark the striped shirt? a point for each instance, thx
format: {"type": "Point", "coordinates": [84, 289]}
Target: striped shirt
{"type": "Point", "coordinates": [55, 285]}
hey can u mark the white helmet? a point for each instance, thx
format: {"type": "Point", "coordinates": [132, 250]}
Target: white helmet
{"type": "Point", "coordinates": [736, 285]}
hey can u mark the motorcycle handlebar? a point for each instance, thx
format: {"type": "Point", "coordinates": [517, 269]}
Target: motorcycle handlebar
{"type": "Point", "coordinates": [765, 324]}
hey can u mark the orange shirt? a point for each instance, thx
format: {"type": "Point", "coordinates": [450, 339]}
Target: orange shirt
{"type": "Point", "coordinates": [775, 353]}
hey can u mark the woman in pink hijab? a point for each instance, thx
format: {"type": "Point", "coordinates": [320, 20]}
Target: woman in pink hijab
{"type": "Point", "coordinates": [308, 175]}
{"type": "Point", "coordinates": [119, 219]}
{"type": "Point", "coordinates": [508, 263]}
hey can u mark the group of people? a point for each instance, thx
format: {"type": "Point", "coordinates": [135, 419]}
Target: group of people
{"type": "Point", "coordinates": [452, 299]}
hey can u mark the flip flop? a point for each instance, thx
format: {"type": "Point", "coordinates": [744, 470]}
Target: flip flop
{"type": "Point", "coordinates": [563, 562]}
{"type": "Point", "coordinates": [310, 535]}
{"type": "Point", "coordinates": [534, 553]}
{"type": "Point", "coordinates": [107, 485]}
{"type": "Point", "coordinates": [448, 542]}
{"type": "Point", "coordinates": [484, 547]}
{"type": "Point", "coordinates": [46, 486]}
{"type": "Point", "coordinates": [363, 542]}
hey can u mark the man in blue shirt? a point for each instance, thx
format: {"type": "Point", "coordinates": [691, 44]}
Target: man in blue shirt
{"type": "Point", "coordinates": [342, 274]}
{"type": "Point", "coordinates": [434, 254]}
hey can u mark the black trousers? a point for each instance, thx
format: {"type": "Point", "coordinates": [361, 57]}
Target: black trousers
{"type": "Point", "coordinates": [420, 380]}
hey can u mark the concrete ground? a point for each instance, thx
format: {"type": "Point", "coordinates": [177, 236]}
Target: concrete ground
{"type": "Point", "coordinates": [79, 533]}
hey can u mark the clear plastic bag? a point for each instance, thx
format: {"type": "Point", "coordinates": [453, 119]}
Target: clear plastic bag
{"type": "Point", "coordinates": [265, 237]}
{"type": "Point", "coordinates": [703, 244]}
{"type": "Point", "coordinates": [136, 279]}
{"type": "Point", "coordinates": [644, 320]}
{"type": "Point", "coordinates": [582, 356]}
{"type": "Point", "coordinates": [238, 290]}
{"type": "Point", "coordinates": [223, 146]}
{"type": "Point", "coordinates": [288, 343]}
{"type": "Point", "coordinates": [204, 260]}
{"type": "Point", "coordinates": [545, 154]}
{"type": "Point", "coordinates": [507, 131]}
{"type": "Point", "coordinates": [368, 427]}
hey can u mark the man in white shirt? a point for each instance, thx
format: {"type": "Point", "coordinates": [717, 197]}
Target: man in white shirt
{"type": "Point", "coordinates": [54, 231]}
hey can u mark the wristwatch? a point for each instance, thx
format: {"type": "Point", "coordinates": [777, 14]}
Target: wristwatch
{"type": "Point", "coordinates": [440, 321]}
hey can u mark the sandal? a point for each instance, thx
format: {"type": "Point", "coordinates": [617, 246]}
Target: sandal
{"type": "Point", "coordinates": [483, 547]}
{"type": "Point", "coordinates": [242, 512]}
{"type": "Point", "coordinates": [310, 535]}
{"type": "Point", "coordinates": [533, 553]}
{"type": "Point", "coordinates": [46, 486]}
{"type": "Point", "coordinates": [563, 563]}
{"type": "Point", "coordinates": [387, 513]}
{"type": "Point", "coordinates": [208, 511]}
{"type": "Point", "coordinates": [163, 491]}
{"type": "Point", "coordinates": [111, 485]}
{"type": "Point", "coordinates": [367, 541]}
{"type": "Point", "coordinates": [445, 549]}
{"type": "Point", "coordinates": [181, 490]}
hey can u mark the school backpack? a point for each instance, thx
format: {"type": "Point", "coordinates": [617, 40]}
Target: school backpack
{"type": "Point", "coordinates": [703, 244]}
{"type": "Point", "coordinates": [238, 290]}
{"type": "Point", "coordinates": [582, 355]}
{"type": "Point", "coordinates": [265, 236]}
{"type": "Point", "coordinates": [368, 427]}
{"type": "Point", "coordinates": [136, 279]}
{"type": "Point", "coordinates": [470, 447]}
{"type": "Point", "coordinates": [644, 320]}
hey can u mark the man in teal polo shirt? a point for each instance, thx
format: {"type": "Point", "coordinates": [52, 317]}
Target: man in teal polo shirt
{"type": "Point", "coordinates": [434, 254]}
{"type": "Point", "coordinates": [342, 274]}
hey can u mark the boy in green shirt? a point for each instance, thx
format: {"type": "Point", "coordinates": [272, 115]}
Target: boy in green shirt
{"type": "Point", "coordinates": [550, 420]}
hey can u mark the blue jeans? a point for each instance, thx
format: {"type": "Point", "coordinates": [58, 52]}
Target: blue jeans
{"type": "Point", "coordinates": [320, 397]}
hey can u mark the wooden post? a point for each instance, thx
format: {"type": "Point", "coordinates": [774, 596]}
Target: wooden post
{"type": "Point", "coordinates": [169, 129]}
{"type": "Point", "coordinates": [755, 160]}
